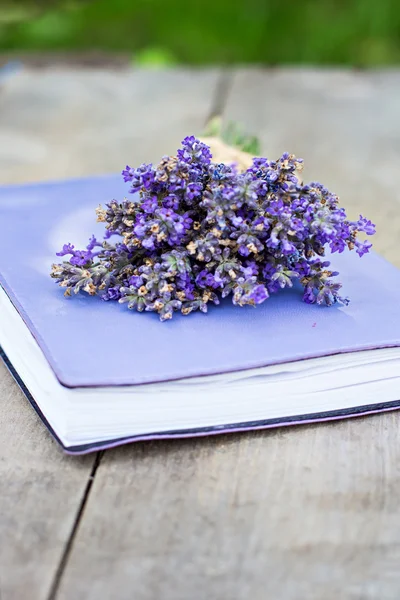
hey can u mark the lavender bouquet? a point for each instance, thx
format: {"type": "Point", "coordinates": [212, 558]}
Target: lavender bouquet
{"type": "Point", "coordinates": [199, 230]}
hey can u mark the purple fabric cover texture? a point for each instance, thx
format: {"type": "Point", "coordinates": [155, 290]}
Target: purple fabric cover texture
{"type": "Point", "coordinates": [89, 342]}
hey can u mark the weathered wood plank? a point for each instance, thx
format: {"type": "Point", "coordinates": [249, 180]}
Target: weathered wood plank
{"type": "Point", "coordinates": [40, 492]}
{"type": "Point", "coordinates": [307, 512]}
{"type": "Point", "coordinates": [66, 123]}
{"type": "Point", "coordinates": [60, 123]}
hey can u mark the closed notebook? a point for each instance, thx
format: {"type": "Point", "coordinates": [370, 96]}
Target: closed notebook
{"type": "Point", "coordinates": [100, 375]}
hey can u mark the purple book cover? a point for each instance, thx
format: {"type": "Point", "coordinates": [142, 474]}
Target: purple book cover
{"type": "Point", "coordinates": [88, 342]}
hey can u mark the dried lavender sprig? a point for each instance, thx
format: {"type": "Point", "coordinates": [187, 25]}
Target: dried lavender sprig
{"type": "Point", "coordinates": [197, 231]}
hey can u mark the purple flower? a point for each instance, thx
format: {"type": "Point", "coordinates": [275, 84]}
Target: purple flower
{"type": "Point", "coordinates": [142, 177]}
{"type": "Point", "coordinates": [149, 204]}
{"type": "Point", "coordinates": [80, 257]}
{"type": "Point", "coordinates": [193, 191]}
{"type": "Point", "coordinates": [250, 269]}
{"type": "Point", "coordinates": [149, 243]}
{"type": "Point", "coordinates": [186, 284]}
{"type": "Point", "coordinates": [365, 225]}
{"type": "Point", "coordinates": [113, 293]}
{"type": "Point", "coordinates": [136, 280]}
{"type": "Point", "coordinates": [171, 201]}
{"type": "Point", "coordinates": [194, 151]}
{"type": "Point", "coordinates": [337, 245]}
{"type": "Point", "coordinates": [198, 231]}
{"type": "Point", "coordinates": [205, 279]}
{"type": "Point", "coordinates": [128, 173]}
{"type": "Point", "coordinates": [309, 296]}
{"type": "Point", "coordinates": [66, 249]}
{"type": "Point", "coordinates": [259, 294]}
{"type": "Point", "coordinates": [362, 247]}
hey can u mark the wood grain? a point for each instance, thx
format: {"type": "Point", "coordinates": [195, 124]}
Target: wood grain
{"type": "Point", "coordinates": [66, 123]}
{"type": "Point", "coordinates": [40, 492]}
{"type": "Point", "coordinates": [308, 512]}
{"type": "Point", "coordinates": [59, 123]}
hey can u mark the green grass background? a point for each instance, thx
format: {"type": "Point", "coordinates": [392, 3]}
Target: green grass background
{"type": "Point", "coordinates": [354, 32]}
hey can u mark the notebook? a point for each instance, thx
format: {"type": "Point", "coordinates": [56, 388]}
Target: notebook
{"type": "Point", "coordinates": [99, 375]}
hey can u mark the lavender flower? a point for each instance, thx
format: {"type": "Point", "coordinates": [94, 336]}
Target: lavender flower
{"type": "Point", "coordinates": [80, 257]}
{"type": "Point", "coordinates": [198, 231]}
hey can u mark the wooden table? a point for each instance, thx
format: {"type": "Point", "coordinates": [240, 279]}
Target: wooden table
{"type": "Point", "coordinates": [309, 512]}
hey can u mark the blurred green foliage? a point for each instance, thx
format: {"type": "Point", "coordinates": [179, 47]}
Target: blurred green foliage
{"type": "Point", "coordinates": [358, 32]}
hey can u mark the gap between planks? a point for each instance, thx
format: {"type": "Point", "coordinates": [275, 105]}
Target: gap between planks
{"type": "Point", "coordinates": [65, 555]}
